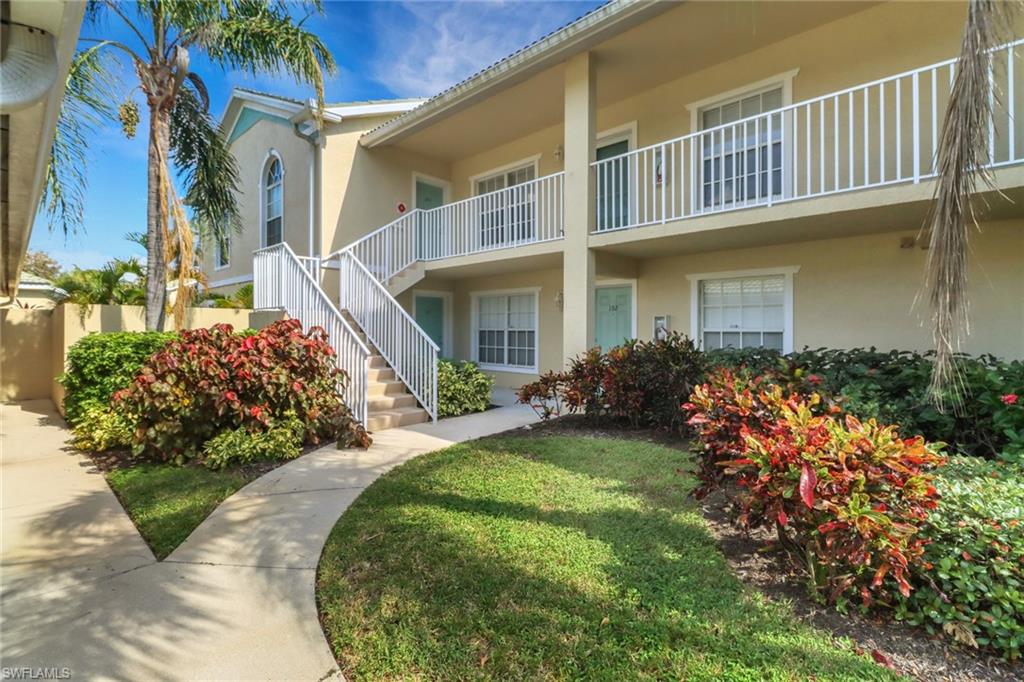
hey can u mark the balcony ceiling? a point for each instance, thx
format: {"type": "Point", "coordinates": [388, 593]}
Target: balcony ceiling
{"type": "Point", "coordinates": [683, 40]}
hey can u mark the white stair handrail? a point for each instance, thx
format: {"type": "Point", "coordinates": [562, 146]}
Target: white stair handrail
{"type": "Point", "coordinates": [282, 280]}
{"type": "Point", "coordinates": [409, 350]}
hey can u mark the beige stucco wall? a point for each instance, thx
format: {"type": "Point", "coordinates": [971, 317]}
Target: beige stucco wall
{"type": "Point", "coordinates": [860, 291]}
{"type": "Point", "coordinates": [362, 188]}
{"type": "Point", "coordinates": [877, 42]}
{"type": "Point", "coordinates": [251, 150]}
{"type": "Point", "coordinates": [25, 367]}
{"type": "Point", "coordinates": [34, 343]}
{"type": "Point", "coordinates": [850, 292]}
{"type": "Point", "coordinates": [549, 338]}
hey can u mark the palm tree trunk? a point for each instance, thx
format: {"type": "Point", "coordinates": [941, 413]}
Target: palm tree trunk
{"type": "Point", "coordinates": [156, 218]}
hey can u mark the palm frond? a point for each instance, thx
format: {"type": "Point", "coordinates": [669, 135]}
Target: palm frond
{"type": "Point", "coordinates": [962, 160]}
{"type": "Point", "coordinates": [88, 104]}
{"type": "Point", "coordinates": [257, 37]}
{"type": "Point", "coordinates": [206, 164]}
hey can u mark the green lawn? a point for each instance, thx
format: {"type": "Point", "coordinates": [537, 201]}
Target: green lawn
{"type": "Point", "coordinates": [551, 558]}
{"type": "Point", "coordinates": [167, 502]}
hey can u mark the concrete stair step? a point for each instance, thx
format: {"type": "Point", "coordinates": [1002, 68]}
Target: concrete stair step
{"type": "Point", "coordinates": [380, 374]}
{"type": "Point", "coordinates": [391, 402]}
{"type": "Point", "coordinates": [391, 419]}
{"type": "Point", "coordinates": [389, 387]}
{"type": "Point", "coordinates": [378, 362]}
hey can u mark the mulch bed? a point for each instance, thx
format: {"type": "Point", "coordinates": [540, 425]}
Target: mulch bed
{"type": "Point", "coordinates": [110, 460]}
{"type": "Point", "coordinates": [909, 650]}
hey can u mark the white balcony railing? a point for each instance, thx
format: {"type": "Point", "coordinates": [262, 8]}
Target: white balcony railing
{"type": "Point", "coordinates": [527, 213]}
{"type": "Point", "coordinates": [880, 133]}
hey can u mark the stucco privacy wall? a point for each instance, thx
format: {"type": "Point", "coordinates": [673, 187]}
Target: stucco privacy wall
{"type": "Point", "coordinates": [34, 343]}
{"type": "Point", "coordinates": [251, 150]}
{"type": "Point", "coordinates": [25, 367]}
{"type": "Point", "coordinates": [860, 291]}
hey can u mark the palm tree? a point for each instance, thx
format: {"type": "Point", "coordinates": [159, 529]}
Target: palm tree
{"type": "Point", "coordinates": [252, 35]}
{"type": "Point", "coordinates": [962, 161]}
{"type": "Point", "coordinates": [118, 282]}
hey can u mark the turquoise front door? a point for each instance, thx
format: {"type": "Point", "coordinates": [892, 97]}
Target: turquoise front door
{"type": "Point", "coordinates": [428, 196]}
{"type": "Point", "coordinates": [613, 317]}
{"type": "Point", "coordinates": [430, 317]}
{"type": "Point", "coordinates": [613, 187]}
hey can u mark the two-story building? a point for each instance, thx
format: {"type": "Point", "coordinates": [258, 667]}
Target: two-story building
{"type": "Point", "coordinates": [747, 173]}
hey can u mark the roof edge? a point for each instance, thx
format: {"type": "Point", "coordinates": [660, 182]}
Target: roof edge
{"type": "Point", "coordinates": [555, 46]}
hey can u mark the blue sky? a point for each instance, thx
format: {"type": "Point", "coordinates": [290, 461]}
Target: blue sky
{"type": "Point", "coordinates": [383, 49]}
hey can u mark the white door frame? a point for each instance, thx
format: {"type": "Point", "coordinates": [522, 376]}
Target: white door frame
{"type": "Point", "coordinates": [446, 312]}
{"type": "Point", "coordinates": [615, 283]}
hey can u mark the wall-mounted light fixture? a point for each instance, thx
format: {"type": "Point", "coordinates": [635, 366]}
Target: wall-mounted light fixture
{"type": "Point", "coordinates": [559, 152]}
{"type": "Point", "coordinates": [559, 301]}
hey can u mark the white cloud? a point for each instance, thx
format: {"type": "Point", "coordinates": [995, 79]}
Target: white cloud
{"type": "Point", "coordinates": [425, 47]}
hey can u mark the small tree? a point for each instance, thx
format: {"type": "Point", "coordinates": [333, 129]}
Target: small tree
{"type": "Point", "coordinates": [251, 35]}
{"type": "Point", "coordinates": [42, 264]}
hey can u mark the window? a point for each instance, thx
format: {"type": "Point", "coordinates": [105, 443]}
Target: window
{"type": "Point", "coordinates": [506, 217]}
{"type": "Point", "coordinates": [274, 203]}
{"type": "Point", "coordinates": [742, 163]}
{"type": "Point", "coordinates": [222, 250]}
{"type": "Point", "coordinates": [506, 331]}
{"type": "Point", "coordinates": [745, 312]}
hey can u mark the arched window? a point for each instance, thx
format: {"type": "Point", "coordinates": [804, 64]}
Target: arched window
{"type": "Point", "coordinates": [273, 183]}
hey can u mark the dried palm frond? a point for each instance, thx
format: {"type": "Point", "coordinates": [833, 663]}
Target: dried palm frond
{"type": "Point", "coordinates": [962, 160]}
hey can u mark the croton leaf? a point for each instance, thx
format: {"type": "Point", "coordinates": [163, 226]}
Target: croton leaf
{"type": "Point", "coordinates": [808, 479]}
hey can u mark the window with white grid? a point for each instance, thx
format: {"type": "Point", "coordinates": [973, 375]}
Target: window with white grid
{"type": "Point", "coordinates": [506, 206]}
{"type": "Point", "coordinates": [743, 312]}
{"type": "Point", "coordinates": [506, 330]}
{"type": "Point", "coordinates": [738, 159]}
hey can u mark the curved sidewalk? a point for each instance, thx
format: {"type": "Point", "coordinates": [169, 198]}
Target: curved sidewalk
{"type": "Point", "coordinates": [80, 589]}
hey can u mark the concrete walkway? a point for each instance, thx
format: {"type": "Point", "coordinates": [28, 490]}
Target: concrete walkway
{"type": "Point", "coordinates": [81, 590]}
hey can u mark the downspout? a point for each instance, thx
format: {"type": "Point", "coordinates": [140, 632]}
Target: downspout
{"type": "Point", "coordinates": [313, 139]}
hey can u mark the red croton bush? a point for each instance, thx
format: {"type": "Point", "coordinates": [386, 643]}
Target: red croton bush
{"type": "Point", "coordinates": [206, 381]}
{"type": "Point", "coordinates": [639, 382]}
{"type": "Point", "coordinates": [846, 497]}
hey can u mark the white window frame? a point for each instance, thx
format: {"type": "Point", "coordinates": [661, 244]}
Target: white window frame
{"type": "Point", "coordinates": [529, 161]}
{"type": "Point", "coordinates": [782, 80]}
{"type": "Point", "coordinates": [474, 299]}
{"type": "Point", "coordinates": [787, 299]}
{"type": "Point", "coordinates": [219, 252]}
{"type": "Point", "coordinates": [446, 311]}
{"type": "Point", "coordinates": [271, 154]}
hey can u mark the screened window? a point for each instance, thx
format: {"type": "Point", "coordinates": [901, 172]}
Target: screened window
{"type": "Point", "coordinates": [742, 162]}
{"type": "Point", "coordinates": [222, 250]}
{"type": "Point", "coordinates": [743, 312]}
{"type": "Point", "coordinates": [506, 206]}
{"type": "Point", "coordinates": [274, 206]}
{"type": "Point", "coordinates": [507, 331]}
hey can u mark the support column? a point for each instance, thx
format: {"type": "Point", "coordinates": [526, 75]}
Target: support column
{"type": "Point", "coordinates": [578, 260]}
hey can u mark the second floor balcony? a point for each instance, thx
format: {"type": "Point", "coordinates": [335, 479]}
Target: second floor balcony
{"type": "Point", "coordinates": [873, 135]}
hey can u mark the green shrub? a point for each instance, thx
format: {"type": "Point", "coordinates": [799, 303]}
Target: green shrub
{"type": "Point", "coordinates": [892, 387]}
{"type": "Point", "coordinates": [972, 587]}
{"type": "Point", "coordinates": [461, 388]}
{"type": "Point", "coordinates": [282, 440]}
{"type": "Point", "coordinates": [98, 365]}
{"type": "Point", "coordinates": [100, 428]}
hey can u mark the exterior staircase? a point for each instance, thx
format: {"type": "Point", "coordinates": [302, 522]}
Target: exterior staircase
{"type": "Point", "coordinates": [389, 402]}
